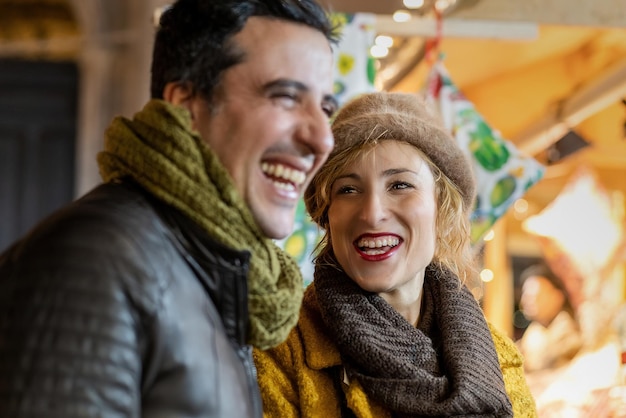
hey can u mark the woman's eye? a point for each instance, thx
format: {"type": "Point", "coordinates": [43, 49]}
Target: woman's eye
{"type": "Point", "coordinates": [400, 185]}
{"type": "Point", "coordinates": [346, 190]}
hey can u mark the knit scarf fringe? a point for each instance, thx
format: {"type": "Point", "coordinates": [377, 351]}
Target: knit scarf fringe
{"type": "Point", "coordinates": [447, 366]}
{"type": "Point", "coordinates": [159, 150]}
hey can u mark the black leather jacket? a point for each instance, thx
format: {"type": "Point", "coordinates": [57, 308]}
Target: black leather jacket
{"type": "Point", "coordinates": [119, 306]}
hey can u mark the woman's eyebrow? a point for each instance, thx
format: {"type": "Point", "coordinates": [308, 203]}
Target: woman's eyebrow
{"type": "Point", "coordinates": [351, 176]}
{"type": "Point", "coordinates": [393, 171]}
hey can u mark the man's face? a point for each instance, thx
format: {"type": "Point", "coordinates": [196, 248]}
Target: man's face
{"type": "Point", "coordinates": [541, 301]}
{"type": "Point", "coordinates": [269, 122]}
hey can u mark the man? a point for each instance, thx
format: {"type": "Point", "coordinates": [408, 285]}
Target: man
{"type": "Point", "coordinates": [143, 297]}
{"type": "Point", "coordinates": [553, 337]}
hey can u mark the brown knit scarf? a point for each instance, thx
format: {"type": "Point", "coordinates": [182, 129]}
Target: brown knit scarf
{"type": "Point", "coordinates": [447, 366]}
{"type": "Point", "coordinates": [158, 150]}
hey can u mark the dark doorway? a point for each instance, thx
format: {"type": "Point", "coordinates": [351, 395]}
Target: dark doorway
{"type": "Point", "coordinates": [38, 106]}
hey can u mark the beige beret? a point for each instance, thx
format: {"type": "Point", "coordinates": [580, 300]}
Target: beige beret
{"type": "Point", "coordinates": [404, 117]}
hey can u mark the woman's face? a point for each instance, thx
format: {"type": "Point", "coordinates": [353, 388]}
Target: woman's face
{"type": "Point", "coordinates": [382, 219]}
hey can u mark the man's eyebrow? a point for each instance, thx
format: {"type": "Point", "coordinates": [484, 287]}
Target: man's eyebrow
{"type": "Point", "coordinates": [283, 82]}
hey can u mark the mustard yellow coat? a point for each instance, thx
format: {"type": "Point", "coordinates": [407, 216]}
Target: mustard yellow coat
{"type": "Point", "coordinates": [294, 381]}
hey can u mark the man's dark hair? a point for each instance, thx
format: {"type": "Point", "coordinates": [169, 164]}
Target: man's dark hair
{"type": "Point", "coordinates": [193, 39]}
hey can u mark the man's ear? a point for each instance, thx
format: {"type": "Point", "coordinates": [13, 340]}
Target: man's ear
{"type": "Point", "coordinates": [178, 93]}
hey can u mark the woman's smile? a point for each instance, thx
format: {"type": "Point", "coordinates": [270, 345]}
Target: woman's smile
{"type": "Point", "coordinates": [377, 247]}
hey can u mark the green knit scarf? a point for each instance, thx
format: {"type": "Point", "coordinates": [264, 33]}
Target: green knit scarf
{"type": "Point", "coordinates": [159, 150]}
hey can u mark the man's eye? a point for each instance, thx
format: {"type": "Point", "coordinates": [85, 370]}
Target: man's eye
{"type": "Point", "coordinates": [329, 110]}
{"type": "Point", "coordinates": [286, 95]}
{"type": "Point", "coordinates": [285, 98]}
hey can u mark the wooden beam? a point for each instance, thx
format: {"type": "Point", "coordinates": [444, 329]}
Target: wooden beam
{"type": "Point", "coordinates": [605, 90]}
{"type": "Point", "coordinates": [597, 13]}
{"type": "Point", "coordinates": [457, 28]}
{"type": "Point", "coordinates": [499, 297]}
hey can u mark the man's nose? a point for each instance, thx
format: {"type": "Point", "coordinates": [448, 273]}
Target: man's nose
{"type": "Point", "coordinates": [315, 132]}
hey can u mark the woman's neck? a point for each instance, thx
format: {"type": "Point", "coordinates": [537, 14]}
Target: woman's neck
{"type": "Point", "coordinates": [407, 300]}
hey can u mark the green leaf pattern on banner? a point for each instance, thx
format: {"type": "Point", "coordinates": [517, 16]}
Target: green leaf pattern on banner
{"type": "Point", "coordinates": [503, 173]}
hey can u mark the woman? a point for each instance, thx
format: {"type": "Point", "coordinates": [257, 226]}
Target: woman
{"type": "Point", "coordinates": [387, 327]}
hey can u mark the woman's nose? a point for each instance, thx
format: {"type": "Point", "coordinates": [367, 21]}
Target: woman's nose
{"type": "Point", "coordinates": [374, 209]}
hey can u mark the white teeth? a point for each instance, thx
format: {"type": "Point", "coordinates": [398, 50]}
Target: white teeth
{"type": "Point", "coordinates": [285, 186]}
{"type": "Point", "coordinates": [279, 171]}
{"type": "Point", "coordinates": [378, 242]}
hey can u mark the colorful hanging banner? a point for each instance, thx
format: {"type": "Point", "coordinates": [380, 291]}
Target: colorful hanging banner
{"type": "Point", "coordinates": [355, 68]}
{"type": "Point", "coordinates": [503, 173]}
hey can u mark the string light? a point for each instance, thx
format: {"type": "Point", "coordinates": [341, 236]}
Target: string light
{"type": "Point", "coordinates": [401, 16]}
{"type": "Point", "coordinates": [520, 209]}
{"type": "Point", "coordinates": [489, 235]}
{"type": "Point", "coordinates": [379, 51]}
{"type": "Point", "coordinates": [413, 4]}
{"type": "Point", "coordinates": [442, 5]}
{"type": "Point", "coordinates": [521, 205]}
{"type": "Point", "coordinates": [384, 40]}
{"type": "Point", "coordinates": [486, 275]}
